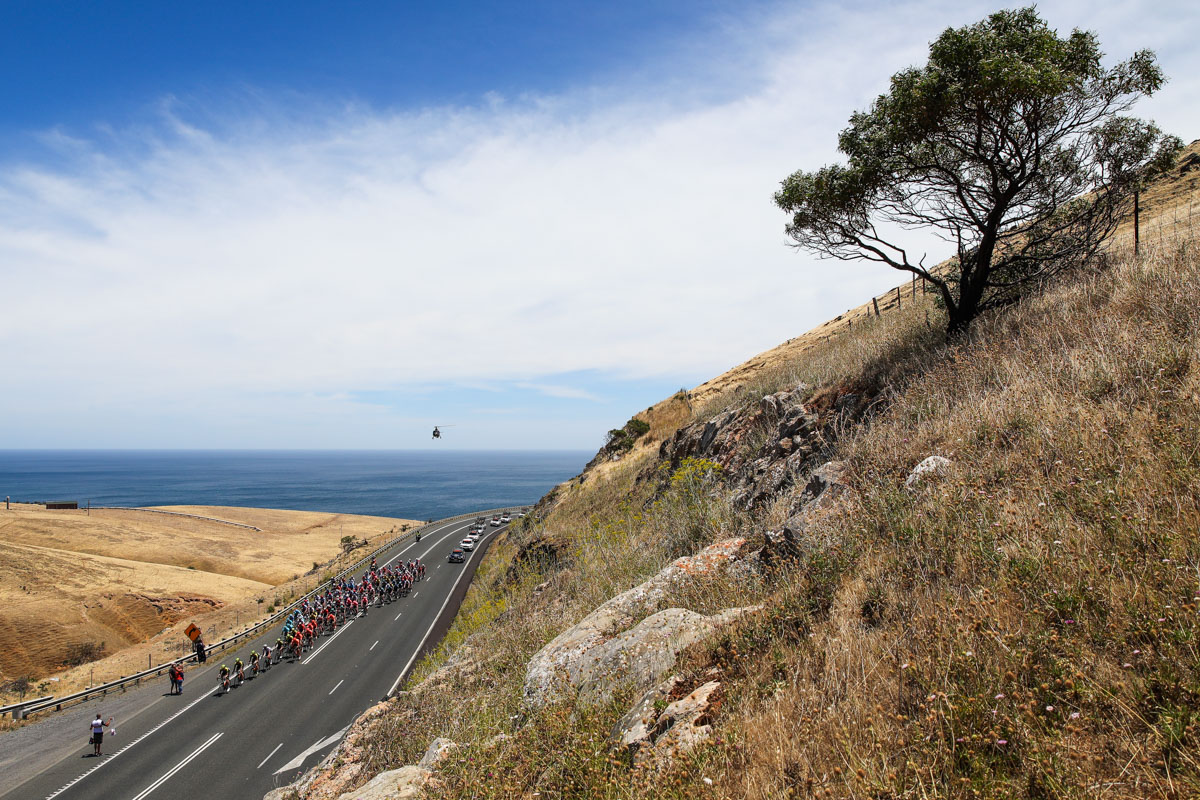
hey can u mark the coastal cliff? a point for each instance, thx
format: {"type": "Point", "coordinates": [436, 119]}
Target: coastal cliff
{"type": "Point", "coordinates": [869, 563]}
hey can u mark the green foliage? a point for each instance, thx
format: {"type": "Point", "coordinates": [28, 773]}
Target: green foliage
{"type": "Point", "coordinates": [1010, 143]}
{"type": "Point", "coordinates": [619, 440]}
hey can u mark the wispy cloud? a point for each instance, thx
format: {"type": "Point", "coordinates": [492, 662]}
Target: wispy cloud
{"type": "Point", "coordinates": [181, 271]}
{"type": "Point", "coordinates": [563, 392]}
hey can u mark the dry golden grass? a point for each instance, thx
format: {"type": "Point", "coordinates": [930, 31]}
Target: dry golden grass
{"type": "Point", "coordinates": [1026, 627]}
{"type": "Point", "coordinates": [131, 580]}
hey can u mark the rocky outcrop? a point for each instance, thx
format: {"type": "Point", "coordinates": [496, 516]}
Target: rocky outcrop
{"type": "Point", "coordinates": [761, 447]}
{"type": "Point", "coordinates": [342, 768]}
{"type": "Point", "coordinates": [643, 654]}
{"type": "Point", "coordinates": [826, 484]}
{"type": "Point", "coordinates": [932, 467]}
{"type": "Point", "coordinates": [667, 720]}
{"type": "Point", "coordinates": [395, 784]}
{"type": "Point", "coordinates": [618, 643]}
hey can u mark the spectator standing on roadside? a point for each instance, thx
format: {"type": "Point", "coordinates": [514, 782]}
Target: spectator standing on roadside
{"type": "Point", "coordinates": [98, 726]}
{"type": "Point", "coordinates": [201, 657]}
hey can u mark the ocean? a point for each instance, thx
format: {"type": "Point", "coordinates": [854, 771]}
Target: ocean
{"type": "Point", "coordinates": [409, 484]}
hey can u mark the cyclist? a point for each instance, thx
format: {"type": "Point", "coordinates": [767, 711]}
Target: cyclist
{"type": "Point", "coordinates": [266, 657]}
{"type": "Point", "coordinates": [253, 663]}
{"type": "Point", "coordinates": [239, 670]}
{"type": "Point", "coordinates": [224, 679]}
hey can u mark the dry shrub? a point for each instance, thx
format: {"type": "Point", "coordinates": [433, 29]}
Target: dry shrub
{"type": "Point", "coordinates": [1025, 626]}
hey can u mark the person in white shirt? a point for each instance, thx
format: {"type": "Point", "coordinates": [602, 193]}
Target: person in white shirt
{"type": "Point", "coordinates": [98, 726]}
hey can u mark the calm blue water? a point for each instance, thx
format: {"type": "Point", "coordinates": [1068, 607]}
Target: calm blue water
{"type": "Point", "coordinates": [407, 484]}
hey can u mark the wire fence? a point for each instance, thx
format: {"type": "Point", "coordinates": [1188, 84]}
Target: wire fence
{"type": "Point", "coordinates": [1168, 227]}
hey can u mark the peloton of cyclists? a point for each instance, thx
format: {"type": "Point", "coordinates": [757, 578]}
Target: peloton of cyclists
{"type": "Point", "coordinates": [322, 614]}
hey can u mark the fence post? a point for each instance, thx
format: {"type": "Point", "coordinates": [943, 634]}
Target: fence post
{"type": "Point", "coordinates": [897, 298]}
{"type": "Point", "coordinates": [914, 286]}
{"type": "Point", "coordinates": [875, 303]}
{"type": "Point", "coordinates": [1137, 213]}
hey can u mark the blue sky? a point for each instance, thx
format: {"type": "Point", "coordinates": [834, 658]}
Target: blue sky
{"type": "Point", "coordinates": [334, 225]}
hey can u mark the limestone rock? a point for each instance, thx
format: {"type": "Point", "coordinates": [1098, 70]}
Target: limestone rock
{"type": "Point", "coordinates": [395, 784]}
{"type": "Point", "coordinates": [934, 466]}
{"type": "Point", "coordinates": [611, 638]}
{"type": "Point", "coordinates": [687, 722]}
{"type": "Point", "coordinates": [658, 728]}
{"type": "Point", "coordinates": [644, 653]}
{"type": "Point", "coordinates": [637, 726]}
{"type": "Point", "coordinates": [438, 749]}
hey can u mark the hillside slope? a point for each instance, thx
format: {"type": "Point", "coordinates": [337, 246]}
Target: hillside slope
{"type": "Point", "coordinates": [867, 564]}
{"type": "Point", "coordinates": [75, 586]}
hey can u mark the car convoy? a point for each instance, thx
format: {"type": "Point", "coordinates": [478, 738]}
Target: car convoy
{"type": "Point", "coordinates": [458, 554]}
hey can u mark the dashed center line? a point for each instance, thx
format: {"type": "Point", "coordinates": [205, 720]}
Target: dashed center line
{"type": "Point", "coordinates": [372, 647]}
{"type": "Point", "coordinates": [339, 683]}
{"type": "Point", "coordinates": [268, 758]}
{"type": "Point", "coordinates": [398, 616]}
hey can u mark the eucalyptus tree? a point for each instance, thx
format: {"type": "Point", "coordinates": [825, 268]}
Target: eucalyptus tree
{"type": "Point", "coordinates": [1012, 143]}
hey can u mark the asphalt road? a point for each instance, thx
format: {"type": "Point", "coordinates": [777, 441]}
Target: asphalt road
{"type": "Point", "coordinates": [264, 733]}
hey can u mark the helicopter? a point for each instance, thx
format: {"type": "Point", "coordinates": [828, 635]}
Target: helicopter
{"type": "Point", "coordinates": [437, 433]}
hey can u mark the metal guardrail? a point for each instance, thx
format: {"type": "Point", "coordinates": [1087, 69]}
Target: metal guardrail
{"type": "Point", "coordinates": [42, 704]}
{"type": "Point", "coordinates": [16, 708]}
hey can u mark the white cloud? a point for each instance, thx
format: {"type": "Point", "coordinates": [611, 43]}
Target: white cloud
{"type": "Point", "coordinates": [559, 391]}
{"type": "Point", "coordinates": [275, 260]}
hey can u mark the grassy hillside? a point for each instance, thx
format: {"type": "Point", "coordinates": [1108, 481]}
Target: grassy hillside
{"type": "Point", "coordinates": [1024, 625]}
{"type": "Point", "coordinates": [87, 596]}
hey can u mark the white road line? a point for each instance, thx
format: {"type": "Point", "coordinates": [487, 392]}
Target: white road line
{"type": "Point", "coordinates": [321, 745]}
{"type": "Point", "coordinates": [177, 767]}
{"type": "Point", "coordinates": [113, 757]}
{"type": "Point", "coordinates": [415, 594]}
{"type": "Point", "coordinates": [339, 683]}
{"type": "Point", "coordinates": [328, 642]}
{"type": "Point", "coordinates": [372, 647]}
{"type": "Point", "coordinates": [451, 527]}
{"type": "Point", "coordinates": [398, 616]}
{"type": "Point", "coordinates": [449, 594]}
{"type": "Point", "coordinates": [268, 758]}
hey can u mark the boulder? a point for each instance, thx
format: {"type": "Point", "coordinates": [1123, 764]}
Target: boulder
{"type": "Point", "coordinates": [438, 749]}
{"type": "Point", "coordinates": [825, 485]}
{"type": "Point", "coordinates": [641, 655]}
{"type": "Point", "coordinates": [932, 467]}
{"type": "Point", "coordinates": [686, 722]}
{"type": "Point", "coordinates": [395, 784]}
{"type": "Point", "coordinates": [636, 727]}
{"type": "Point", "coordinates": [779, 549]}
{"type": "Point", "coordinates": [568, 662]}
{"type": "Point", "coordinates": [658, 728]}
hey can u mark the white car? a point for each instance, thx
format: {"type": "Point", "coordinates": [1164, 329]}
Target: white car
{"type": "Point", "coordinates": [495, 522]}
{"type": "Point", "coordinates": [474, 536]}
{"type": "Point", "coordinates": [505, 519]}
{"type": "Point", "coordinates": [467, 544]}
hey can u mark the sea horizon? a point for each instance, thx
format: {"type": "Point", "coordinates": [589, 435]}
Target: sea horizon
{"type": "Point", "coordinates": [408, 484]}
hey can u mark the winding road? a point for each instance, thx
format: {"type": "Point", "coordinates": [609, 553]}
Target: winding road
{"type": "Point", "coordinates": [265, 733]}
